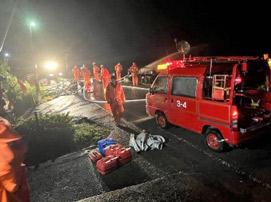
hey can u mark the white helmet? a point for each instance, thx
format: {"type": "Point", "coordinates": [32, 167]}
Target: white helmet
{"type": "Point", "coordinates": [101, 65]}
{"type": "Point", "coordinates": [94, 63]}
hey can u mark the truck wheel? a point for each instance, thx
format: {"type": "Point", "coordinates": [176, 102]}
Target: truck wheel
{"type": "Point", "coordinates": [161, 120]}
{"type": "Point", "coordinates": [214, 141]}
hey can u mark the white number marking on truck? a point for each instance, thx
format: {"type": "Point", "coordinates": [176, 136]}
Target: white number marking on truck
{"type": "Point", "coordinates": [179, 104]}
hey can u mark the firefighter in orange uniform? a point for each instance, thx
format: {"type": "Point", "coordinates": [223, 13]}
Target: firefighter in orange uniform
{"type": "Point", "coordinates": [96, 70]}
{"type": "Point", "coordinates": [85, 73]}
{"type": "Point", "coordinates": [76, 73]}
{"type": "Point", "coordinates": [105, 76]}
{"type": "Point", "coordinates": [13, 184]}
{"type": "Point", "coordinates": [115, 97]}
{"type": "Point", "coordinates": [118, 69]}
{"type": "Point", "coordinates": [134, 69]}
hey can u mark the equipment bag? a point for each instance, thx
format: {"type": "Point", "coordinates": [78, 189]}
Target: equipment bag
{"type": "Point", "coordinates": [144, 142]}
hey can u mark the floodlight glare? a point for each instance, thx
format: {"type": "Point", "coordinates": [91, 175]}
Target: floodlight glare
{"type": "Point", "coordinates": [50, 65]}
{"type": "Point", "coordinates": [32, 24]}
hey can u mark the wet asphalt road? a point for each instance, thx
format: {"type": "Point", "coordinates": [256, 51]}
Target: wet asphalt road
{"type": "Point", "coordinates": [244, 172]}
{"type": "Point", "coordinates": [133, 110]}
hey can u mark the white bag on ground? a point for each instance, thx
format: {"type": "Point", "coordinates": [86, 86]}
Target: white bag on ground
{"type": "Point", "coordinates": [144, 141]}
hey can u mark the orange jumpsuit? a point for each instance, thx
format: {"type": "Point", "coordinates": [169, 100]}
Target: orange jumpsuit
{"type": "Point", "coordinates": [13, 184]}
{"type": "Point", "coordinates": [134, 69]}
{"type": "Point", "coordinates": [115, 97]}
{"type": "Point", "coordinates": [105, 77]}
{"type": "Point", "coordinates": [96, 70]}
{"type": "Point", "coordinates": [76, 73]}
{"type": "Point", "coordinates": [118, 69]}
{"type": "Point", "coordinates": [85, 73]}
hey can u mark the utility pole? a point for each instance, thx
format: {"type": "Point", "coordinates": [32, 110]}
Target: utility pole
{"type": "Point", "coordinates": [66, 63]}
{"type": "Point", "coordinates": [33, 24]}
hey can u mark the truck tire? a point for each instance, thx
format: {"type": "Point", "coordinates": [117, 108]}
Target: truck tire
{"type": "Point", "coordinates": [214, 140]}
{"type": "Point", "coordinates": [161, 120]}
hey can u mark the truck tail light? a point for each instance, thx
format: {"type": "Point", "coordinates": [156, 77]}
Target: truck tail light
{"type": "Point", "coordinates": [234, 116]}
{"type": "Point", "coordinates": [234, 112]}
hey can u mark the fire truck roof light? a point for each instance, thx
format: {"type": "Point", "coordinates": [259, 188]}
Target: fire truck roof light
{"type": "Point", "coordinates": [171, 65]}
{"type": "Point", "coordinates": [238, 80]}
{"type": "Point", "coordinates": [162, 67]}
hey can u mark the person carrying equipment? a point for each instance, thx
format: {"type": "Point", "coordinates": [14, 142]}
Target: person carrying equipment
{"type": "Point", "coordinates": [118, 70]}
{"type": "Point", "coordinates": [13, 184]}
{"type": "Point", "coordinates": [133, 70]}
{"type": "Point", "coordinates": [85, 73]}
{"type": "Point", "coordinates": [76, 73]}
{"type": "Point", "coordinates": [96, 70]}
{"type": "Point", "coordinates": [115, 97]}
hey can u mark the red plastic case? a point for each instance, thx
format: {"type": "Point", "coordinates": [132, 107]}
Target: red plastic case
{"type": "Point", "coordinates": [95, 155]}
{"type": "Point", "coordinates": [107, 164]}
{"type": "Point", "coordinates": [124, 154]}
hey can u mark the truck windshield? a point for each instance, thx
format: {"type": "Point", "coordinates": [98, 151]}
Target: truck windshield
{"type": "Point", "coordinates": [160, 85]}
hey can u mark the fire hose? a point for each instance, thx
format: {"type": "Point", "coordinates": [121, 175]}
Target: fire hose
{"type": "Point", "coordinates": [105, 102]}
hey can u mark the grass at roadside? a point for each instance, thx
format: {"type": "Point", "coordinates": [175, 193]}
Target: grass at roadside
{"type": "Point", "coordinates": [53, 135]}
{"type": "Point", "coordinates": [86, 134]}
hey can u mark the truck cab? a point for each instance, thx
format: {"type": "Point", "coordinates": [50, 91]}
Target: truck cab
{"type": "Point", "coordinates": [226, 99]}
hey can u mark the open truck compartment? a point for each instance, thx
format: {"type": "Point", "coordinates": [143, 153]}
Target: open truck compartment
{"type": "Point", "coordinates": [227, 99]}
{"type": "Point", "coordinates": [254, 112]}
{"type": "Point", "coordinates": [250, 83]}
{"type": "Point", "coordinates": [252, 96]}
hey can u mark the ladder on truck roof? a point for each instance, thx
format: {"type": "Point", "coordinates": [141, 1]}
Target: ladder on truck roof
{"type": "Point", "coordinates": [218, 59]}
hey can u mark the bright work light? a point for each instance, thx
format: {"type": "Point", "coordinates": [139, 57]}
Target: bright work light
{"type": "Point", "coordinates": [51, 65]}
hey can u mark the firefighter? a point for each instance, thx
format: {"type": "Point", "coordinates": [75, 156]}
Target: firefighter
{"type": "Point", "coordinates": [133, 70]}
{"type": "Point", "coordinates": [13, 184]}
{"type": "Point", "coordinates": [85, 73]}
{"type": "Point", "coordinates": [118, 69]}
{"type": "Point", "coordinates": [105, 76]}
{"type": "Point", "coordinates": [76, 74]}
{"type": "Point", "coordinates": [96, 70]}
{"type": "Point", "coordinates": [115, 97]}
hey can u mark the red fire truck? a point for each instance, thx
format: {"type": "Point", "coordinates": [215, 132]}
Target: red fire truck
{"type": "Point", "coordinates": [227, 99]}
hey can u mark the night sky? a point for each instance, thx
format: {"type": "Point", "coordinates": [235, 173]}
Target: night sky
{"type": "Point", "coordinates": [111, 31]}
